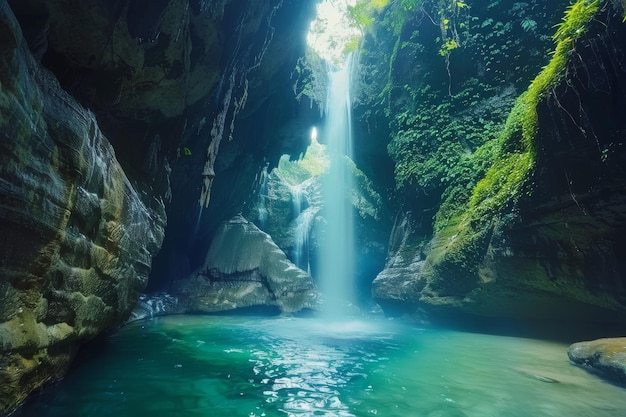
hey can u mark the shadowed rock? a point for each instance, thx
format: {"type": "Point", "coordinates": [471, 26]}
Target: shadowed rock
{"type": "Point", "coordinates": [245, 268]}
{"type": "Point", "coordinates": [77, 238]}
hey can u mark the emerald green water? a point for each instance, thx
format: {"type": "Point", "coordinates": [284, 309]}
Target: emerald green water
{"type": "Point", "coordinates": [234, 366]}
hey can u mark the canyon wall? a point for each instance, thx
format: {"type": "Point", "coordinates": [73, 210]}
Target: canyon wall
{"type": "Point", "coordinates": [77, 236]}
{"type": "Point", "coordinates": [111, 115]}
{"type": "Point", "coordinates": [535, 228]}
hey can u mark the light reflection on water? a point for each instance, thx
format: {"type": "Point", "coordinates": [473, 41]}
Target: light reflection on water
{"type": "Point", "coordinates": [307, 367]}
{"type": "Point", "coordinates": [233, 366]}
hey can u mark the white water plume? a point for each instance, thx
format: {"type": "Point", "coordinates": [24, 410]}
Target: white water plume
{"type": "Point", "coordinates": [336, 255]}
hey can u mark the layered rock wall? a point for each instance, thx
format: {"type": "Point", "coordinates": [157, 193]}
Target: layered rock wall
{"type": "Point", "coordinates": [77, 237]}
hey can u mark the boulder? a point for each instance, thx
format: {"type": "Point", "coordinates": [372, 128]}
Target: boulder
{"type": "Point", "coordinates": [245, 268]}
{"type": "Point", "coordinates": [605, 356]}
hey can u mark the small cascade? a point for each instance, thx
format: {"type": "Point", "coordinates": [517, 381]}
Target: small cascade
{"type": "Point", "coordinates": [303, 217]}
{"type": "Point", "coordinates": [297, 198]}
{"type": "Point", "coordinates": [198, 219]}
{"type": "Point", "coordinates": [154, 305]}
{"type": "Point", "coordinates": [302, 230]}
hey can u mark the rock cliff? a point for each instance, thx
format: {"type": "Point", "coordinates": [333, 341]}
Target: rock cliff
{"type": "Point", "coordinates": [111, 114]}
{"type": "Point", "coordinates": [542, 235]}
{"type": "Point", "coordinates": [77, 236]}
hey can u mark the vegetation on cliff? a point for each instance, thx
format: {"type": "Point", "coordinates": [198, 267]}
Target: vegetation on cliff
{"type": "Point", "coordinates": [459, 139]}
{"type": "Point", "coordinates": [479, 134]}
{"type": "Point", "coordinates": [506, 179]}
{"type": "Point", "coordinates": [511, 175]}
{"type": "Point", "coordinates": [444, 76]}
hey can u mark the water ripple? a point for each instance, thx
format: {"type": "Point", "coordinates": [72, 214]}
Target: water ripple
{"type": "Point", "coordinates": [231, 367]}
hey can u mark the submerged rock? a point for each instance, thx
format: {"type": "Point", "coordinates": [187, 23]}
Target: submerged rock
{"type": "Point", "coordinates": [605, 356]}
{"type": "Point", "coordinates": [245, 268]}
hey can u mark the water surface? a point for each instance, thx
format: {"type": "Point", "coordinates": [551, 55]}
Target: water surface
{"type": "Point", "coordinates": [238, 366]}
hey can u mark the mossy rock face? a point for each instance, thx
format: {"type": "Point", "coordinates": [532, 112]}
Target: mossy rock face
{"type": "Point", "coordinates": [77, 238]}
{"type": "Point", "coordinates": [542, 235]}
{"type": "Point", "coordinates": [565, 237]}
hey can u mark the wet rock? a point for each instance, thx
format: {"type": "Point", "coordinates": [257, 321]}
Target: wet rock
{"type": "Point", "coordinates": [77, 237]}
{"type": "Point", "coordinates": [155, 305]}
{"type": "Point", "coordinates": [398, 285]}
{"type": "Point", "coordinates": [245, 268]}
{"type": "Point", "coordinates": [301, 232]}
{"type": "Point", "coordinates": [604, 356]}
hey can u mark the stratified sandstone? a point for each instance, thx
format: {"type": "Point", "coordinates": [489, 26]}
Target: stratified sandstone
{"type": "Point", "coordinates": [77, 238]}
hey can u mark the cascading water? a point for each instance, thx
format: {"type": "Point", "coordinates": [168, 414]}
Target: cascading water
{"type": "Point", "coordinates": [302, 225]}
{"type": "Point", "coordinates": [336, 253]}
{"type": "Point", "coordinates": [301, 238]}
{"type": "Point", "coordinates": [297, 198]}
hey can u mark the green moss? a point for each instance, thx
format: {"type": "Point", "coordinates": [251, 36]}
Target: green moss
{"type": "Point", "coordinates": [314, 162]}
{"type": "Point", "coordinates": [463, 230]}
{"type": "Point", "coordinates": [502, 183]}
{"type": "Point", "coordinates": [507, 178]}
{"type": "Point", "coordinates": [577, 17]}
{"type": "Point", "coordinates": [434, 140]}
{"type": "Point", "coordinates": [470, 169]}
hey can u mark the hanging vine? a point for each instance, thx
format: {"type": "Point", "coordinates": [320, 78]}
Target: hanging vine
{"type": "Point", "coordinates": [454, 23]}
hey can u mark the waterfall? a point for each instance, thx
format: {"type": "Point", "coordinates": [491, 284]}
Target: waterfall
{"type": "Point", "coordinates": [301, 224]}
{"type": "Point", "coordinates": [304, 215]}
{"type": "Point", "coordinates": [301, 238]}
{"type": "Point", "coordinates": [336, 253]}
{"type": "Point", "coordinates": [297, 198]}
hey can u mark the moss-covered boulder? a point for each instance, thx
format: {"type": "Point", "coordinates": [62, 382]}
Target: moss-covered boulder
{"type": "Point", "coordinates": [604, 356]}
